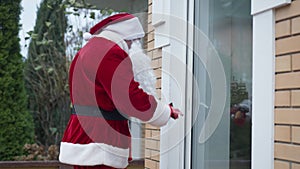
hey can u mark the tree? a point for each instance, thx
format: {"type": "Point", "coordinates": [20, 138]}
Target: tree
{"type": "Point", "coordinates": [16, 126]}
{"type": "Point", "coordinates": [47, 63]}
{"type": "Point", "coordinates": [54, 41]}
{"type": "Point", "coordinates": [47, 73]}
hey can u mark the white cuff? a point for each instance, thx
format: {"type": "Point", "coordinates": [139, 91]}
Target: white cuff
{"type": "Point", "coordinates": [161, 115]}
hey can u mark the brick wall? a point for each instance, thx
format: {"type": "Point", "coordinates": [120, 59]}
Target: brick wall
{"type": "Point", "coordinates": [152, 134]}
{"type": "Point", "coordinates": [287, 87]}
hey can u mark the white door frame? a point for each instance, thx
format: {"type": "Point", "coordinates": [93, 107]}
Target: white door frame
{"type": "Point", "coordinates": [263, 75]}
{"type": "Point", "coordinates": [166, 15]}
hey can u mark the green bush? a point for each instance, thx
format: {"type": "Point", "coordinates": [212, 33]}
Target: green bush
{"type": "Point", "coordinates": [16, 125]}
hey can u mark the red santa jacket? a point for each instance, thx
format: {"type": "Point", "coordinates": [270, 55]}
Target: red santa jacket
{"type": "Point", "coordinates": [101, 76]}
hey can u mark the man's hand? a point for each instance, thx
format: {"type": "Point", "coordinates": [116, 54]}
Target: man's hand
{"type": "Point", "coordinates": [175, 112]}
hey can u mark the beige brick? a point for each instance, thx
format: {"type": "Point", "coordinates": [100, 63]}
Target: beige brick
{"type": "Point", "coordinates": [157, 72]}
{"type": "Point", "coordinates": [149, 2]}
{"type": "Point", "coordinates": [151, 164]}
{"type": "Point", "coordinates": [283, 133]}
{"type": "Point", "coordinates": [295, 166]}
{"type": "Point", "coordinates": [287, 152]}
{"type": "Point", "coordinates": [150, 28]}
{"type": "Point", "coordinates": [150, 36]}
{"type": "Point", "coordinates": [295, 99]}
{"type": "Point", "coordinates": [283, 64]}
{"type": "Point", "coordinates": [155, 135]}
{"type": "Point", "coordinates": [287, 80]}
{"type": "Point", "coordinates": [149, 126]}
{"type": "Point", "coordinates": [281, 165]}
{"type": "Point", "coordinates": [148, 133]}
{"type": "Point", "coordinates": [287, 116]}
{"type": "Point", "coordinates": [155, 155]}
{"type": "Point", "coordinates": [159, 62]}
{"type": "Point", "coordinates": [156, 63]}
{"type": "Point", "coordinates": [150, 45]}
{"type": "Point", "coordinates": [145, 44]}
{"type": "Point", "coordinates": [157, 53]}
{"type": "Point", "coordinates": [158, 84]}
{"type": "Point", "coordinates": [288, 45]}
{"type": "Point", "coordinates": [296, 62]}
{"type": "Point", "coordinates": [152, 144]}
{"type": "Point", "coordinates": [147, 153]}
{"type": "Point", "coordinates": [295, 134]}
{"type": "Point", "coordinates": [288, 11]}
{"type": "Point", "coordinates": [296, 25]}
{"type": "Point", "coordinates": [159, 93]}
{"type": "Point", "coordinates": [150, 8]}
{"type": "Point", "coordinates": [150, 54]}
{"type": "Point", "coordinates": [149, 18]}
{"type": "Point", "coordinates": [283, 28]}
{"type": "Point", "coordinates": [282, 98]}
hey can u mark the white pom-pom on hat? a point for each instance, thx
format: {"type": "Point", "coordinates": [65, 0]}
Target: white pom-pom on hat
{"type": "Point", "coordinates": [87, 36]}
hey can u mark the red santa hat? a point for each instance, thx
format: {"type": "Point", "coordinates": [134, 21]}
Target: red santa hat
{"type": "Point", "coordinates": [124, 24]}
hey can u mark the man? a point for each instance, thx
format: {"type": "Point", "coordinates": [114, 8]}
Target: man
{"type": "Point", "coordinates": [105, 93]}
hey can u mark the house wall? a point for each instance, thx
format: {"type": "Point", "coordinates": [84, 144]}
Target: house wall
{"type": "Point", "coordinates": [287, 90]}
{"type": "Point", "coordinates": [152, 134]}
{"type": "Point", "coordinates": [287, 87]}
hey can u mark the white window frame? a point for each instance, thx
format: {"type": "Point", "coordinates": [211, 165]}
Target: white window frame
{"type": "Point", "coordinates": [263, 91]}
{"type": "Point", "coordinates": [263, 80]}
{"type": "Point", "coordinates": [189, 84]}
{"type": "Point", "coordinates": [263, 88]}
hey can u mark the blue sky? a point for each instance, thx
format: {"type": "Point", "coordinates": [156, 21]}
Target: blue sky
{"type": "Point", "coordinates": [28, 17]}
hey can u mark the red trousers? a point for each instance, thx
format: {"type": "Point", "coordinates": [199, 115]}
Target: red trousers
{"type": "Point", "coordinates": [94, 167]}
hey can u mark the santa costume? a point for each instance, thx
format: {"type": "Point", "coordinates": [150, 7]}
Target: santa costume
{"type": "Point", "coordinates": [105, 93]}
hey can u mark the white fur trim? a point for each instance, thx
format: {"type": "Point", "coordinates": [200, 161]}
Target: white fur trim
{"type": "Point", "coordinates": [161, 115]}
{"type": "Point", "coordinates": [112, 36]}
{"type": "Point", "coordinates": [93, 154]}
{"type": "Point", "coordinates": [142, 70]}
{"type": "Point", "coordinates": [129, 29]}
{"type": "Point", "coordinates": [87, 36]}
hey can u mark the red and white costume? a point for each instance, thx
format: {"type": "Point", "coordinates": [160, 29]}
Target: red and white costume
{"type": "Point", "coordinates": [101, 75]}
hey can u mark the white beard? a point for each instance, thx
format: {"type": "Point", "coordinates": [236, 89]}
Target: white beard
{"type": "Point", "coordinates": [142, 70]}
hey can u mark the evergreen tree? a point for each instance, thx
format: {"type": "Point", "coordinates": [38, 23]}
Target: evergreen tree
{"type": "Point", "coordinates": [47, 73]}
{"type": "Point", "coordinates": [16, 126]}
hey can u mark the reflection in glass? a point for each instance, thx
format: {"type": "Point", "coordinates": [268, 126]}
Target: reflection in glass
{"type": "Point", "coordinates": [228, 25]}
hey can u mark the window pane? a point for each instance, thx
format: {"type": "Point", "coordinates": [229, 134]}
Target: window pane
{"type": "Point", "coordinates": [228, 26]}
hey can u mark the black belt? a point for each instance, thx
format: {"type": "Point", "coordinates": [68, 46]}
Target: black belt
{"type": "Point", "coordinates": [97, 112]}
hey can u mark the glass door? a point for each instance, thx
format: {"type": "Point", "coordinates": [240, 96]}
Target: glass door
{"type": "Point", "coordinates": [227, 25]}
